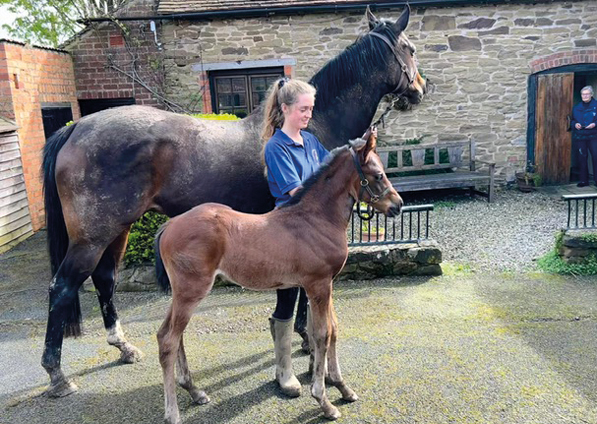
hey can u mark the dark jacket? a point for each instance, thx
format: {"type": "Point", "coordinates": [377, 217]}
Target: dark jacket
{"type": "Point", "coordinates": [584, 114]}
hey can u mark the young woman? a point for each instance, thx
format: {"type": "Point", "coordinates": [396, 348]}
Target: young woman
{"type": "Point", "coordinates": [291, 155]}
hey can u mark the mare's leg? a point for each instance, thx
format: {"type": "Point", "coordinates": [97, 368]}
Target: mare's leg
{"type": "Point", "coordinates": [104, 279]}
{"type": "Point", "coordinates": [184, 377]}
{"type": "Point", "coordinates": [300, 323]}
{"type": "Point", "coordinates": [334, 374]}
{"type": "Point", "coordinates": [320, 294]}
{"type": "Point", "coordinates": [79, 262]}
{"type": "Point", "coordinates": [186, 294]}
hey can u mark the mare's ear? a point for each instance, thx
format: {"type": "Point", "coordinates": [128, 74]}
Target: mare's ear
{"type": "Point", "coordinates": [357, 144]}
{"type": "Point", "coordinates": [402, 21]}
{"type": "Point", "coordinates": [371, 19]}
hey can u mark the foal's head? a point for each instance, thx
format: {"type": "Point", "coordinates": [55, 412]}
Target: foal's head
{"type": "Point", "coordinates": [373, 187]}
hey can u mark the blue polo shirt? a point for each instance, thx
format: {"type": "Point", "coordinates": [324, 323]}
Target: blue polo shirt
{"type": "Point", "coordinates": [289, 163]}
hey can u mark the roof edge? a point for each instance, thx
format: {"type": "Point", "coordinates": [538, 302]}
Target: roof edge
{"type": "Point", "coordinates": [323, 8]}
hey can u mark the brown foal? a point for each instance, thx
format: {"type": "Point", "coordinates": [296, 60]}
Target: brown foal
{"type": "Point", "coordinates": [301, 244]}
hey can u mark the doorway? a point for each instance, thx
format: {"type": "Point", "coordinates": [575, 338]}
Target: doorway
{"type": "Point", "coordinates": [551, 97]}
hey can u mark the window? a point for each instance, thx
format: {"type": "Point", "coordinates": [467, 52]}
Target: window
{"type": "Point", "coordinates": [239, 92]}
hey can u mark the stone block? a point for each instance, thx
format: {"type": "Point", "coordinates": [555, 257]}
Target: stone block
{"type": "Point", "coordinates": [460, 43]}
{"type": "Point", "coordinates": [438, 23]}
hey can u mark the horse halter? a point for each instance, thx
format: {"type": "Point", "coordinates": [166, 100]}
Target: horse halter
{"type": "Point", "coordinates": [410, 76]}
{"type": "Point", "coordinates": [374, 198]}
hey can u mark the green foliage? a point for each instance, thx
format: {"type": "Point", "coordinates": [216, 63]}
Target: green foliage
{"type": "Point", "coordinates": [140, 247]}
{"type": "Point", "coordinates": [69, 123]}
{"type": "Point", "coordinates": [216, 117]}
{"type": "Point", "coordinates": [589, 237]}
{"type": "Point", "coordinates": [50, 22]}
{"type": "Point", "coordinates": [552, 263]}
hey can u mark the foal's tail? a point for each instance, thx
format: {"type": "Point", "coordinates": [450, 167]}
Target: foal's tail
{"type": "Point", "coordinates": [55, 226]}
{"type": "Point", "coordinates": [160, 270]}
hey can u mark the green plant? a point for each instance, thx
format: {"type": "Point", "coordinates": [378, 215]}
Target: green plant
{"type": "Point", "coordinates": [589, 238]}
{"type": "Point", "coordinates": [530, 175]}
{"type": "Point", "coordinates": [552, 263]}
{"type": "Point", "coordinates": [140, 247]}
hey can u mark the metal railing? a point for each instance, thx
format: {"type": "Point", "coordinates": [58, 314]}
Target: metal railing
{"type": "Point", "coordinates": [411, 226]}
{"type": "Point", "coordinates": [581, 210]}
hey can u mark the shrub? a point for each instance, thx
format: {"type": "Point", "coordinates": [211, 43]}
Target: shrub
{"type": "Point", "coordinates": [140, 247]}
{"type": "Point", "coordinates": [216, 117]}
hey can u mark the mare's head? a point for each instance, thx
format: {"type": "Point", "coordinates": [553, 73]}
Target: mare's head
{"type": "Point", "coordinates": [403, 76]}
{"type": "Point", "coordinates": [373, 186]}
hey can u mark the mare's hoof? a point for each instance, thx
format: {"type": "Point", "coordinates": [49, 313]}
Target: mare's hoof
{"type": "Point", "coordinates": [305, 347]}
{"type": "Point", "coordinates": [199, 397]}
{"type": "Point", "coordinates": [62, 389]}
{"type": "Point", "coordinates": [172, 421]}
{"type": "Point", "coordinates": [332, 413]}
{"type": "Point", "coordinates": [291, 391]}
{"type": "Point", "coordinates": [130, 355]}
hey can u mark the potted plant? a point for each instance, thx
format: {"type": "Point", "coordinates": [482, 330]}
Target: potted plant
{"type": "Point", "coordinates": [369, 231]}
{"type": "Point", "coordinates": [528, 179]}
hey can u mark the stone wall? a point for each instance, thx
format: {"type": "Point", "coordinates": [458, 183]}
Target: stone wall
{"type": "Point", "coordinates": [578, 246]}
{"type": "Point", "coordinates": [478, 57]}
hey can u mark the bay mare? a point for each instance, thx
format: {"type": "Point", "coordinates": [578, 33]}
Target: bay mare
{"type": "Point", "coordinates": [301, 244]}
{"type": "Point", "coordinates": [103, 172]}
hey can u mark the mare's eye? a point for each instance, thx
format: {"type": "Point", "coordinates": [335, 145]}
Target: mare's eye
{"type": "Point", "coordinates": [378, 177]}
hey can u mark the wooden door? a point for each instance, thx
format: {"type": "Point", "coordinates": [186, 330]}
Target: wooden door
{"type": "Point", "coordinates": [552, 138]}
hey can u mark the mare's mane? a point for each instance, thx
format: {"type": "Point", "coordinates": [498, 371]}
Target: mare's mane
{"type": "Point", "coordinates": [310, 182]}
{"type": "Point", "coordinates": [352, 65]}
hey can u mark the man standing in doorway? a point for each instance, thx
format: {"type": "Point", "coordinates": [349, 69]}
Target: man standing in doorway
{"type": "Point", "coordinates": [584, 133]}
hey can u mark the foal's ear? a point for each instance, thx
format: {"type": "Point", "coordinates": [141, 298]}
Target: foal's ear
{"type": "Point", "coordinates": [402, 21]}
{"type": "Point", "coordinates": [371, 144]}
{"type": "Point", "coordinates": [357, 144]}
{"type": "Point", "coordinates": [371, 19]}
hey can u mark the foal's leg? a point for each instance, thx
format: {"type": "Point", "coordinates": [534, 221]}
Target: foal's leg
{"type": "Point", "coordinates": [334, 374]}
{"type": "Point", "coordinates": [184, 377]}
{"type": "Point", "coordinates": [319, 299]}
{"type": "Point", "coordinates": [185, 297]}
{"type": "Point", "coordinates": [104, 279]}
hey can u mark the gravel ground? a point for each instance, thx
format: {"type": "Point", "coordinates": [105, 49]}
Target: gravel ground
{"type": "Point", "coordinates": [506, 235]}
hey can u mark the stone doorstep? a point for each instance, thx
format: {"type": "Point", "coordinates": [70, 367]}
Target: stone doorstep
{"type": "Point", "coordinates": [363, 263]}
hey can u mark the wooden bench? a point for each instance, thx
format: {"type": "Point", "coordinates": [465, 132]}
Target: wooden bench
{"type": "Point", "coordinates": [457, 156]}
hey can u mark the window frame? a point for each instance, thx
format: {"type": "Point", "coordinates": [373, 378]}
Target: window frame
{"type": "Point", "coordinates": [248, 74]}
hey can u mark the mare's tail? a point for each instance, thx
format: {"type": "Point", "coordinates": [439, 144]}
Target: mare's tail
{"type": "Point", "coordinates": [160, 270]}
{"type": "Point", "coordinates": [55, 225]}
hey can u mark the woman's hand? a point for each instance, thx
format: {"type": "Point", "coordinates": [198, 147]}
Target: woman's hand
{"type": "Point", "coordinates": [590, 126]}
{"type": "Point", "coordinates": [578, 126]}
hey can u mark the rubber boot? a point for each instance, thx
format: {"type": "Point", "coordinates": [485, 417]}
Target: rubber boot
{"type": "Point", "coordinates": [282, 335]}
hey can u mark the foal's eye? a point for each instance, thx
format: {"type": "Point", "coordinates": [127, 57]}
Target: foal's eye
{"type": "Point", "coordinates": [378, 177]}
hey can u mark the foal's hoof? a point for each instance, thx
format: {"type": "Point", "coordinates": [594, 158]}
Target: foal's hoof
{"type": "Point", "coordinates": [199, 397]}
{"type": "Point", "coordinates": [332, 413]}
{"type": "Point", "coordinates": [130, 355]}
{"type": "Point", "coordinates": [349, 395]}
{"type": "Point", "coordinates": [62, 389]}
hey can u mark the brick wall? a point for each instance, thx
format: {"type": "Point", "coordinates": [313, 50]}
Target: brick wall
{"type": "Point", "coordinates": [106, 60]}
{"type": "Point", "coordinates": [29, 77]}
